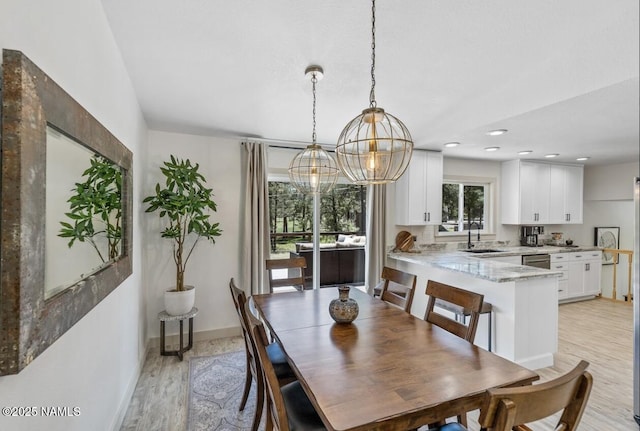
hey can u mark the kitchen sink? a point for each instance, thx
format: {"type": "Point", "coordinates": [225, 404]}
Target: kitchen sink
{"type": "Point", "coordinates": [482, 250]}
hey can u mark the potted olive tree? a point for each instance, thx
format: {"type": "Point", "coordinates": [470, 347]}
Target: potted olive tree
{"type": "Point", "coordinates": [184, 203]}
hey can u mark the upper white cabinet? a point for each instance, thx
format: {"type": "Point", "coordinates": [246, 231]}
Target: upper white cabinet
{"type": "Point", "coordinates": [539, 193]}
{"type": "Point", "coordinates": [534, 192]}
{"type": "Point", "coordinates": [419, 190]}
{"type": "Point", "coordinates": [565, 194]}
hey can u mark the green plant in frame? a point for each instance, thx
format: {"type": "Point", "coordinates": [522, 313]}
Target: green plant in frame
{"type": "Point", "coordinates": [95, 209]}
{"type": "Point", "coordinates": [185, 202]}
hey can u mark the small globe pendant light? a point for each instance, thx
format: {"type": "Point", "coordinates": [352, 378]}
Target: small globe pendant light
{"type": "Point", "coordinates": [313, 170]}
{"type": "Point", "coordinates": [375, 147]}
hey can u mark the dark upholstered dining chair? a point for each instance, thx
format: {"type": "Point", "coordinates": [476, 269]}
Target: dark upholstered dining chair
{"type": "Point", "coordinates": [288, 407]}
{"type": "Point", "coordinates": [397, 288]}
{"type": "Point", "coordinates": [507, 409]}
{"type": "Point", "coordinates": [283, 371]}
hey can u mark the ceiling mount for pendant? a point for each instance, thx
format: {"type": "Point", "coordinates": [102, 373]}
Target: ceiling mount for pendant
{"type": "Point", "coordinates": [312, 70]}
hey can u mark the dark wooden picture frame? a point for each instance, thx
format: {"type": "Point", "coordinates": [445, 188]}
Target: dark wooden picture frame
{"type": "Point", "coordinates": [29, 324]}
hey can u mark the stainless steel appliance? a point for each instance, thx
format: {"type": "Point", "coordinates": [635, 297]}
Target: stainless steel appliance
{"type": "Point", "coordinates": [529, 235]}
{"type": "Point", "coordinates": [636, 304]}
{"type": "Point", "coordinates": [537, 260]}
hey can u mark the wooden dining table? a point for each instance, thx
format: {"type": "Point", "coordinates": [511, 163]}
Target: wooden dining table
{"type": "Point", "coordinates": [387, 370]}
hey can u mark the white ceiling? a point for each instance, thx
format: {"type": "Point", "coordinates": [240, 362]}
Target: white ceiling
{"type": "Point", "coordinates": [562, 76]}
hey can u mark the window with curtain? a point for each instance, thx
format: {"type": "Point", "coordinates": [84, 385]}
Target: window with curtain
{"type": "Point", "coordinates": [464, 207]}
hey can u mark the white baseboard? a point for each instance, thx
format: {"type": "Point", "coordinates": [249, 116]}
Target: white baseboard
{"type": "Point", "coordinates": [537, 362]}
{"type": "Point", "coordinates": [128, 395]}
{"type": "Point", "coordinates": [197, 336]}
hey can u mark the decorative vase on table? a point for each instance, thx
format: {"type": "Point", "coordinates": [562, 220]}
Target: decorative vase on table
{"type": "Point", "coordinates": [179, 302]}
{"type": "Point", "coordinates": [343, 309]}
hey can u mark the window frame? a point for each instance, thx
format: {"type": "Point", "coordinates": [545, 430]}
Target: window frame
{"type": "Point", "coordinates": [489, 202]}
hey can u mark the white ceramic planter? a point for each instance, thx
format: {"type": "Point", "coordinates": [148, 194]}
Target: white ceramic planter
{"type": "Point", "coordinates": [177, 303]}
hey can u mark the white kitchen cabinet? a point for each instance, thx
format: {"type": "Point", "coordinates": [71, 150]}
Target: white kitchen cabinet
{"type": "Point", "coordinates": [593, 273]}
{"type": "Point", "coordinates": [576, 279]}
{"type": "Point", "coordinates": [581, 273]}
{"type": "Point", "coordinates": [563, 281]}
{"type": "Point", "coordinates": [534, 192]}
{"type": "Point", "coordinates": [565, 194]}
{"type": "Point", "coordinates": [538, 193]}
{"type": "Point", "coordinates": [419, 190]}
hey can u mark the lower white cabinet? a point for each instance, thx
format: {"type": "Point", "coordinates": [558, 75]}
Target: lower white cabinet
{"type": "Point", "coordinates": [580, 274]}
{"type": "Point", "coordinates": [593, 274]}
{"type": "Point", "coordinates": [563, 282]}
{"type": "Point", "coordinates": [576, 279]}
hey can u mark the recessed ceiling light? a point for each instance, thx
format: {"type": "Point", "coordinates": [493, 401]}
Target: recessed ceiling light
{"type": "Point", "coordinates": [497, 132]}
{"type": "Point", "coordinates": [582, 159]}
{"type": "Point", "coordinates": [492, 148]}
{"type": "Point", "coordinates": [550, 156]}
{"type": "Point", "coordinates": [525, 152]}
{"type": "Point", "coordinates": [451, 144]}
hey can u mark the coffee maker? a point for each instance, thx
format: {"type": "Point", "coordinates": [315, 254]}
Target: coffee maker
{"type": "Point", "coordinates": [529, 235]}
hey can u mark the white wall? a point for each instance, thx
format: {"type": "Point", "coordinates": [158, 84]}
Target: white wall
{"type": "Point", "coordinates": [608, 201]}
{"type": "Point", "coordinates": [610, 182]}
{"type": "Point", "coordinates": [211, 265]}
{"type": "Point", "coordinates": [95, 365]}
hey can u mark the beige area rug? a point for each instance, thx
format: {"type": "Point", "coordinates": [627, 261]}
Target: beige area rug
{"type": "Point", "coordinates": [215, 390]}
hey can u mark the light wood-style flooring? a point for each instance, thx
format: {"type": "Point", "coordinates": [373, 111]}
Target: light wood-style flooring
{"type": "Point", "coordinates": [599, 331]}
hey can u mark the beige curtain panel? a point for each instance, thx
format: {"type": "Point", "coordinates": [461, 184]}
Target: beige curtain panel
{"type": "Point", "coordinates": [255, 241]}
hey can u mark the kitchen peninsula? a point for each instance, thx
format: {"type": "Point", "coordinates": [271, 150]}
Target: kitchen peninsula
{"type": "Point", "coordinates": [524, 299]}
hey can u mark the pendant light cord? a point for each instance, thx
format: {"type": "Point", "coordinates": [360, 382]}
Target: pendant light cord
{"type": "Point", "coordinates": [372, 94]}
{"type": "Point", "coordinates": [313, 82]}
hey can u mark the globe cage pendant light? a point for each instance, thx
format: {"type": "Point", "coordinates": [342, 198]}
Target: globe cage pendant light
{"type": "Point", "coordinates": [375, 147]}
{"type": "Point", "coordinates": [313, 170]}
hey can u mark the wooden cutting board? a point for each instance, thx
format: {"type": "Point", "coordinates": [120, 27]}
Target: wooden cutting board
{"type": "Point", "coordinates": [404, 241]}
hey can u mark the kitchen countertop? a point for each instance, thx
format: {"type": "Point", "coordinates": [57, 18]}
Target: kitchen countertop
{"type": "Point", "coordinates": [524, 250]}
{"type": "Point", "coordinates": [479, 265]}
